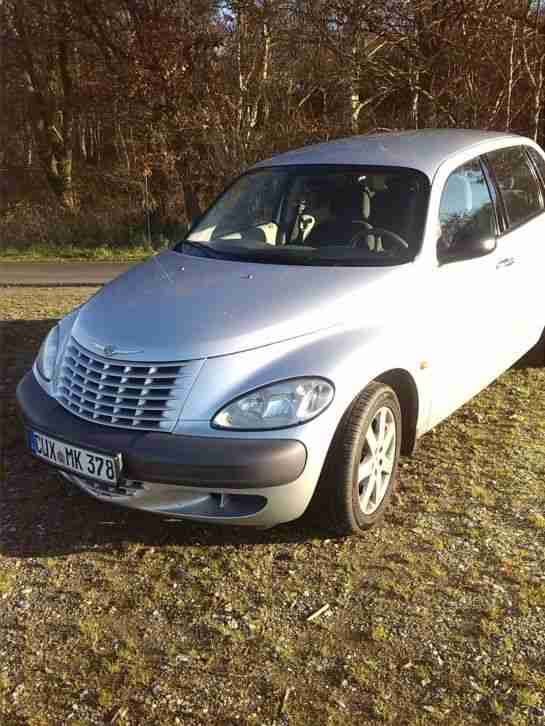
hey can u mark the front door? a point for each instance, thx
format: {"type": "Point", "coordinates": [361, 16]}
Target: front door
{"type": "Point", "coordinates": [469, 349]}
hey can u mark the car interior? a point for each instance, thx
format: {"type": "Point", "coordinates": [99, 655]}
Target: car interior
{"type": "Point", "coordinates": [344, 210]}
{"type": "Point", "coordinates": [332, 210]}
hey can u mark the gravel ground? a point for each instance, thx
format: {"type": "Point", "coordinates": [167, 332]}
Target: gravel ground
{"type": "Point", "coordinates": [112, 617]}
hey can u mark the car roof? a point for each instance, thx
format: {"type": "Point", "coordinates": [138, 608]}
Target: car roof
{"type": "Point", "coordinates": [424, 150]}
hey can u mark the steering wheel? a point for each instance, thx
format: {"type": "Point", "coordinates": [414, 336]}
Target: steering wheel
{"type": "Point", "coordinates": [378, 232]}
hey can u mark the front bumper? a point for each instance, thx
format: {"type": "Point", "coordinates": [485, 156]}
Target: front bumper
{"type": "Point", "coordinates": [257, 481]}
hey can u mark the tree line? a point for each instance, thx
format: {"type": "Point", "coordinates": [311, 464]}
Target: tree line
{"type": "Point", "coordinates": [161, 102]}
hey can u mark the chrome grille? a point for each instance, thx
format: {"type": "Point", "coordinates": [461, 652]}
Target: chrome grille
{"type": "Point", "coordinates": [123, 394]}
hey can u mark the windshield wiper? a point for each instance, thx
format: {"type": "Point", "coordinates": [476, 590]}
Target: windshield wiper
{"type": "Point", "coordinates": [291, 255]}
{"type": "Point", "coordinates": [275, 256]}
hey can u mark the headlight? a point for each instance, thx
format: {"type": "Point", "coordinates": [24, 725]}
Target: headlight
{"type": "Point", "coordinates": [47, 356]}
{"type": "Point", "coordinates": [272, 407]}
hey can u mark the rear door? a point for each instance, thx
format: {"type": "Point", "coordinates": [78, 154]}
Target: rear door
{"type": "Point", "coordinates": [521, 246]}
{"type": "Point", "coordinates": [538, 248]}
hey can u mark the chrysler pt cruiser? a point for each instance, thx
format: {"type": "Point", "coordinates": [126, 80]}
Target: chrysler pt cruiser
{"type": "Point", "coordinates": [331, 306]}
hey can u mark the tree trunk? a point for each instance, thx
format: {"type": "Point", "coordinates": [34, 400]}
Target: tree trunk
{"type": "Point", "coordinates": [51, 103]}
{"type": "Point", "coordinates": [354, 87]}
{"type": "Point", "coordinates": [510, 82]}
{"type": "Point", "coordinates": [538, 98]}
{"type": "Point", "coordinates": [415, 104]}
{"type": "Point", "coordinates": [191, 202]}
{"type": "Point", "coordinates": [58, 170]}
{"type": "Point", "coordinates": [355, 108]}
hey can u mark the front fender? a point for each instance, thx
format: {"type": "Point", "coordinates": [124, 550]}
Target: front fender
{"type": "Point", "coordinates": [349, 357]}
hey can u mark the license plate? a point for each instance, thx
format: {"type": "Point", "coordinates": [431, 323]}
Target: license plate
{"type": "Point", "coordinates": [81, 461]}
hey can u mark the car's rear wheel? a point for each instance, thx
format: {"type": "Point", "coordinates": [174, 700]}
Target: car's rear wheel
{"type": "Point", "coordinates": [541, 349]}
{"type": "Point", "coordinates": [536, 356]}
{"type": "Point", "coordinates": [361, 467]}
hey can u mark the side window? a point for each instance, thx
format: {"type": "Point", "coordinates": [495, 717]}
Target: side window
{"type": "Point", "coordinates": [466, 211]}
{"type": "Point", "coordinates": [517, 183]}
{"type": "Point", "coordinates": [539, 162]}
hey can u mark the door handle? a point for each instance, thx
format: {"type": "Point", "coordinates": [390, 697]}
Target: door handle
{"type": "Point", "coordinates": [506, 262]}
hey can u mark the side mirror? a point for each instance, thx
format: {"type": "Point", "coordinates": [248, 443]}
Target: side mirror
{"type": "Point", "coordinates": [465, 247]}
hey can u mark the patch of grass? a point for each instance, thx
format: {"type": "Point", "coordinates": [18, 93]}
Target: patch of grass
{"type": "Point", "coordinates": [529, 698]}
{"type": "Point", "coordinates": [490, 628]}
{"type": "Point", "coordinates": [71, 252]}
{"type": "Point", "coordinates": [113, 231]}
{"type": "Point", "coordinates": [4, 682]}
{"type": "Point", "coordinates": [422, 673]}
{"type": "Point", "coordinates": [482, 493]}
{"type": "Point", "coordinates": [532, 595]}
{"type": "Point", "coordinates": [497, 709]}
{"type": "Point", "coordinates": [437, 616]}
{"type": "Point", "coordinates": [7, 581]}
{"type": "Point", "coordinates": [537, 520]}
{"type": "Point", "coordinates": [106, 698]}
{"type": "Point", "coordinates": [383, 710]}
{"type": "Point", "coordinates": [364, 671]}
{"type": "Point", "coordinates": [379, 633]}
{"type": "Point", "coordinates": [90, 630]}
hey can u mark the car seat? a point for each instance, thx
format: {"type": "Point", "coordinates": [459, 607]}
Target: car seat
{"type": "Point", "coordinates": [395, 207]}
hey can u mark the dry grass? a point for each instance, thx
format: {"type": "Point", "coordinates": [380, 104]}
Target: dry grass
{"type": "Point", "coordinates": [108, 616]}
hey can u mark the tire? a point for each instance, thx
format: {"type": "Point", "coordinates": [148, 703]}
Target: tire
{"type": "Point", "coordinates": [535, 358]}
{"type": "Point", "coordinates": [540, 351]}
{"type": "Point", "coordinates": [344, 501]}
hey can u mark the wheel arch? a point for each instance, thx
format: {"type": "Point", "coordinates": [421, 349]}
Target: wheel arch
{"type": "Point", "coordinates": [404, 386]}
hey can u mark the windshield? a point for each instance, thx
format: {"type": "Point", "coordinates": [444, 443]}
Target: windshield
{"type": "Point", "coordinates": [325, 215]}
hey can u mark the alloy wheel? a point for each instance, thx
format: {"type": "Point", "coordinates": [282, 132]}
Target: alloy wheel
{"type": "Point", "coordinates": [377, 460]}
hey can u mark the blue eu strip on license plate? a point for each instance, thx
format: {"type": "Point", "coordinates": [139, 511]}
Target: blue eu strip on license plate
{"type": "Point", "coordinates": [89, 464]}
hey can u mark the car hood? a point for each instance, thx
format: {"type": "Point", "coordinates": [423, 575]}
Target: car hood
{"type": "Point", "coordinates": [180, 307]}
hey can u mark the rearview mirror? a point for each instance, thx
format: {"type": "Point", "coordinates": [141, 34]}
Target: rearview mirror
{"type": "Point", "coordinates": [464, 247]}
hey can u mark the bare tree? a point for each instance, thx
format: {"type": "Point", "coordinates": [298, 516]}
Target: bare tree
{"type": "Point", "coordinates": [533, 52]}
{"type": "Point", "coordinates": [43, 46]}
{"type": "Point", "coordinates": [95, 92]}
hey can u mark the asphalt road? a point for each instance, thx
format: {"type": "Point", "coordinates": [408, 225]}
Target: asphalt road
{"type": "Point", "coordinates": [59, 274]}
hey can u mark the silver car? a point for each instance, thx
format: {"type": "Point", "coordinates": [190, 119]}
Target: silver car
{"type": "Point", "coordinates": [329, 308]}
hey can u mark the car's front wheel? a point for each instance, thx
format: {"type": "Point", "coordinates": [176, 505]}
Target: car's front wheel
{"type": "Point", "coordinates": [361, 467]}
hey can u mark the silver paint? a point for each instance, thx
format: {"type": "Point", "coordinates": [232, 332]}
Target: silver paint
{"type": "Point", "coordinates": [423, 150]}
{"type": "Point", "coordinates": [257, 324]}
